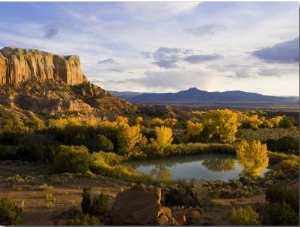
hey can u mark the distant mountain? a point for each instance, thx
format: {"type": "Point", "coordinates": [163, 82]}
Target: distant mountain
{"type": "Point", "coordinates": [194, 96]}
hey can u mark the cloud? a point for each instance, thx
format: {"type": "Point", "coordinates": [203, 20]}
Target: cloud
{"type": "Point", "coordinates": [51, 30]}
{"type": "Point", "coordinates": [167, 57]}
{"type": "Point", "coordinates": [107, 61]}
{"type": "Point", "coordinates": [204, 30]}
{"type": "Point", "coordinates": [195, 59]}
{"type": "Point", "coordinates": [158, 10]}
{"type": "Point", "coordinates": [284, 52]}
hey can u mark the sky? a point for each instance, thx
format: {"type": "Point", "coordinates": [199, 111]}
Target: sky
{"type": "Point", "coordinates": [166, 46]}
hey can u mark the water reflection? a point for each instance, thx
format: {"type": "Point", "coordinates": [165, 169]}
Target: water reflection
{"type": "Point", "coordinates": [201, 167]}
{"type": "Point", "coordinates": [219, 164]}
{"type": "Point", "coordinates": [161, 173]}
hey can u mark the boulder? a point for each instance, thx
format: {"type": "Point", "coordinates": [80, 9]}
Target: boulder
{"type": "Point", "coordinates": [140, 205]}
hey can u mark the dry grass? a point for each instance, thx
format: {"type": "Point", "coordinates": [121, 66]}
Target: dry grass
{"type": "Point", "coordinates": [40, 206]}
{"type": "Point", "coordinates": [45, 194]}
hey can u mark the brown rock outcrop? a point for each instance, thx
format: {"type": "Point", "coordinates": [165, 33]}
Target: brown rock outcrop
{"type": "Point", "coordinates": [18, 65]}
{"type": "Point", "coordinates": [140, 205]}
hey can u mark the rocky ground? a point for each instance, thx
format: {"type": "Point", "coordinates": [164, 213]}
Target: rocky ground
{"type": "Point", "coordinates": [45, 198]}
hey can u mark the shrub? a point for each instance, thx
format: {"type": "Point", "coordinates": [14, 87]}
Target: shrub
{"type": "Point", "coordinates": [83, 220]}
{"type": "Point", "coordinates": [279, 214]}
{"type": "Point", "coordinates": [282, 195]}
{"type": "Point", "coordinates": [244, 216]}
{"type": "Point", "coordinates": [74, 159]}
{"type": "Point", "coordinates": [10, 214]}
{"type": "Point", "coordinates": [285, 144]}
{"type": "Point", "coordinates": [92, 203]}
{"type": "Point", "coordinates": [46, 187]}
{"type": "Point", "coordinates": [181, 196]}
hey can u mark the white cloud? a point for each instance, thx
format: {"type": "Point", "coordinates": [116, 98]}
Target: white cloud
{"type": "Point", "coordinates": [163, 46]}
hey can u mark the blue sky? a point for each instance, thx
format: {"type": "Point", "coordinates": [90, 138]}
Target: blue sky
{"type": "Point", "coordinates": [166, 46]}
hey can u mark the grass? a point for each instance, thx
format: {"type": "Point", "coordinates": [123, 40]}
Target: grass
{"type": "Point", "coordinates": [48, 193]}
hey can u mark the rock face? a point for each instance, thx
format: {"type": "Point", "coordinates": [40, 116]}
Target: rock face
{"type": "Point", "coordinates": [140, 205]}
{"type": "Point", "coordinates": [18, 65]}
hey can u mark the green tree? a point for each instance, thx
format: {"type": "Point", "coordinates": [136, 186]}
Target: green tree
{"type": "Point", "coordinates": [104, 144]}
{"type": "Point", "coordinates": [252, 157]}
{"type": "Point", "coordinates": [74, 159]}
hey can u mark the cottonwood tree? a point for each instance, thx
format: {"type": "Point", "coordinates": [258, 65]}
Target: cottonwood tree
{"type": "Point", "coordinates": [130, 140]}
{"type": "Point", "coordinates": [220, 126]}
{"type": "Point", "coordinates": [193, 131]}
{"type": "Point", "coordinates": [163, 138]}
{"type": "Point", "coordinates": [252, 157]}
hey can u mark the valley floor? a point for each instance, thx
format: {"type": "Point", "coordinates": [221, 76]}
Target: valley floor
{"type": "Point", "coordinates": [45, 198]}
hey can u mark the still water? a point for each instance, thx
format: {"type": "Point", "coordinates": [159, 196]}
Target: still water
{"type": "Point", "coordinates": [200, 167]}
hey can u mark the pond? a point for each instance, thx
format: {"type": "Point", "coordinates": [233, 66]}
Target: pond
{"type": "Point", "coordinates": [199, 167]}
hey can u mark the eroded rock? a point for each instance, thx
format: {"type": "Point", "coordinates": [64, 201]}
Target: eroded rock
{"type": "Point", "coordinates": [18, 65]}
{"type": "Point", "coordinates": [140, 205]}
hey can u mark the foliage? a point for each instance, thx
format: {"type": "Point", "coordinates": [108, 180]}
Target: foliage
{"type": "Point", "coordinates": [181, 195]}
{"type": "Point", "coordinates": [163, 138]}
{"type": "Point", "coordinates": [282, 195]}
{"type": "Point", "coordinates": [34, 150]}
{"type": "Point", "coordinates": [129, 140]}
{"type": "Point", "coordinates": [92, 203]}
{"type": "Point", "coordinates": [10, 214]}
{"type": "Point", "coordinates": [253, 157]}
{"type": "Point", "coordinates": [105, 144]}
{"type": "Point", "coordinates": [74, 159]}
{"type": "Point", "coordinates": [244, 216]}
{"type": "Point", "coordinates": [193, 131]}
{"type": "Point", "coordinates": [263, 134]}
{"type": "Point", "coordinates": [83, 220]}
{"type": "Point", "coordinates": [279, 214]}
{"type": "Point", "coordinates": [284, 144]}
{"type": "Point", "coordinates": [276, 158]}
{"type": "Point", "coordinates": [220, 126]}
{"type": "Point", "coordinates": [287, 122]}
{"type": "Point", "coordinates": [109, 164]}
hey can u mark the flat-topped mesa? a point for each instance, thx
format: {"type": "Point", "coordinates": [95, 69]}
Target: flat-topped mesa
{"type": "Point", "coordinates": [18, 65]}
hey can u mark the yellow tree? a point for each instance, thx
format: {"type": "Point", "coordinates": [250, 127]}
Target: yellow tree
{"type": "Point", "coordinates": [193, 130]}
{"type": "Point", "coordinates": [163, 138]}
{"type": "Point", "coordinates": [170, 122]}
{"type": "Point", "coordinates": [276, 121]}
{"type": "Point", "coordinates": [156, 122]}
{"type": "Point", "coordinates": [129, 140]}
{"type": "Point", "coordinates": [252, 157]}
{"type": "Point", "coordinates": [255, 122]}
{"type": "Point", "coordinates": [220, 125]}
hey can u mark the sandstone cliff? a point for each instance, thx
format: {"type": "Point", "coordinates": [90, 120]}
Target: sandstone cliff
{"type": "Point", "coordinates": [18, 65]}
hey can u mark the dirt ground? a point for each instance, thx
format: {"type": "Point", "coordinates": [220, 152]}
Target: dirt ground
{"type": "Point", "coordinates": [44, 196]}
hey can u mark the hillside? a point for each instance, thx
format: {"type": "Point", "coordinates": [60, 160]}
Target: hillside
{"type": "Point", "coordinates": [35, 83]}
